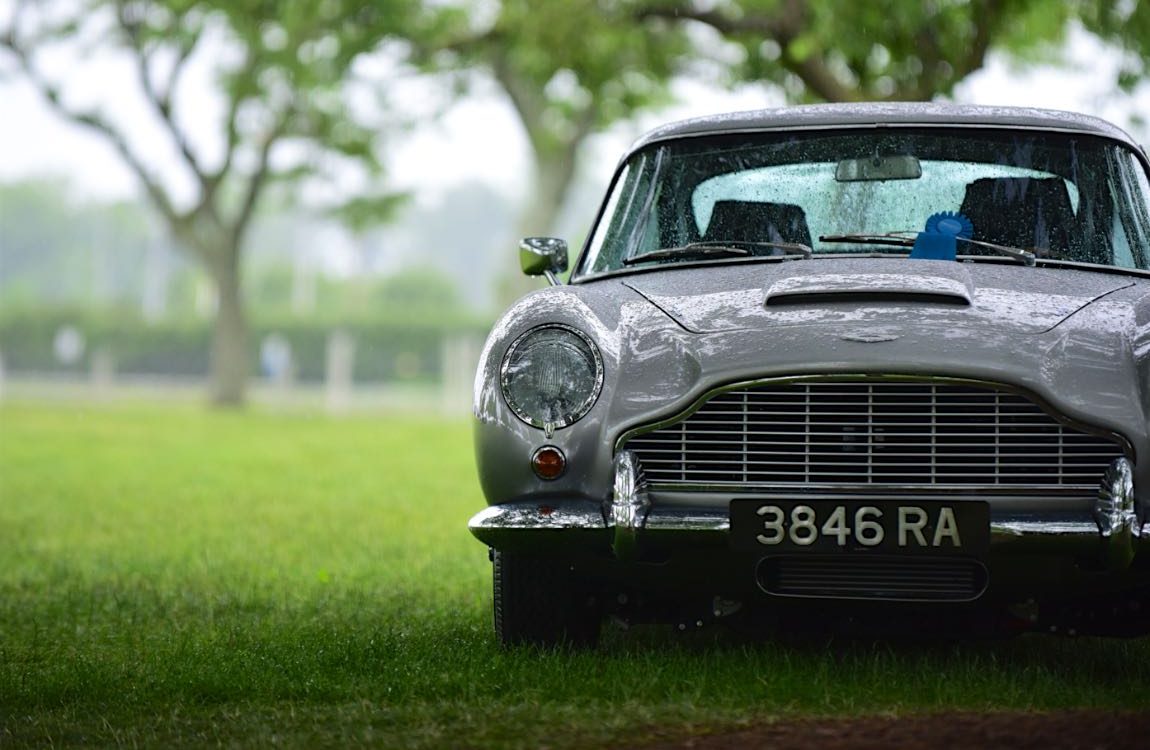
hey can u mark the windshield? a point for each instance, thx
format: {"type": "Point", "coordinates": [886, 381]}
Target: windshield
{"type": "Point", "coordinates": [1063, 196]}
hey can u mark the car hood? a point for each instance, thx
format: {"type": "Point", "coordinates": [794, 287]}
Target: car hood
{"type": "Point", "coordinates": [870, 292]}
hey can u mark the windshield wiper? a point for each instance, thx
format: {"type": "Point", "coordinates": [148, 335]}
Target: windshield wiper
{"type": "Point", "coordinates": [1026, 256]}
{"type": "Point", "coordinates": [896, 239]}
{"type": "Point", "coordinates": [718, 248]}
{"type": "Point", "coordinates": [899, 239]}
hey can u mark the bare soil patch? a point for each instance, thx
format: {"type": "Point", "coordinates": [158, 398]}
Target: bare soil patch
{"type": "Point", "coordinates": [1077, 730]}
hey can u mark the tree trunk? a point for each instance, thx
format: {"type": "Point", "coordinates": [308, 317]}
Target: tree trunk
{"type": "Point", "coordinates": [229, 356]}
{"type": "Point", "coordinates": [552, 177]}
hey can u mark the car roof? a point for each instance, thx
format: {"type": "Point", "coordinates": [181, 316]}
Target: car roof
{"type": "Point", "coordinates": [889, 114]}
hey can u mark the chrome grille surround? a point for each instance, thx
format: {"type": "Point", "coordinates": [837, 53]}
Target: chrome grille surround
{"type": "Point", "coordinates": [873, 430]}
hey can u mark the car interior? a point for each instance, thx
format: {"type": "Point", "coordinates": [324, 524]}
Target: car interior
{"type": "Point", "coordinates": [755, 221]}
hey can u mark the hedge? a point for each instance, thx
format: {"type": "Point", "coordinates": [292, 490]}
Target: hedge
{"type": "Point", "coordinates": [385, 350]}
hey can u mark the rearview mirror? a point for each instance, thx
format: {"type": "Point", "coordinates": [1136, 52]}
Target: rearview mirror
{"type": "Point", "coordinates": [899, 167]}
{"type": "Point", "coordinates": [543, 256]}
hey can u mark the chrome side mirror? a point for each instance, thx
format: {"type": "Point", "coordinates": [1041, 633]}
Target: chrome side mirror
{"type": "Point", "coordinates": [543, 256]}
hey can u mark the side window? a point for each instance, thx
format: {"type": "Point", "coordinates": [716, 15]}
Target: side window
{"type": "Point", "coordinates": [609, 223]}
{"type": "Point", "coordinates": [1141, 203]}
{"type": "Point", "coordinates": [1131, 224]}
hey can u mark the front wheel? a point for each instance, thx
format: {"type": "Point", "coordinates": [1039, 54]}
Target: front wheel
{"type": "Point", "coordinates": [540, 602]}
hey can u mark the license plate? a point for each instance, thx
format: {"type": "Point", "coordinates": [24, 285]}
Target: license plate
{"type": "Point", "coordinates": [886, 526]}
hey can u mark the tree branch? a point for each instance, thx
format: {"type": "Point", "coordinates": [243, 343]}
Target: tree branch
{"type": "Point", "coordinates": [258, 180]}
{"type": "Point", "coordinates": [102, 127]}
{"type": "Point", "coordinates": [762, 25]}
{"type": "Point", "coordinates": [216, 177]}
{"type": "Point", "coordinates": [13, 21]}
{"type": "Point", "coordinates": [784, 25]}
{"type": "Point", "coordinates": [990, 13]}
{"type": "Point", "coordinates": [819, 78]}
{"type": "Point", "coordinates": [160, 100]}
{"type": "Point", "coordinates": [525, 98]}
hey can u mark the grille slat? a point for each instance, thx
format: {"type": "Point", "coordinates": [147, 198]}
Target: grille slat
{"type": "Point", "coordinates": [922, 579]}
{"type": "Point", "coordinates": [906, 433]}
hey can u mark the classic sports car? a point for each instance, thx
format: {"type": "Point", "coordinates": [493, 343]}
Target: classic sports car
{"type": "Point", "coordinates": [874, 365]}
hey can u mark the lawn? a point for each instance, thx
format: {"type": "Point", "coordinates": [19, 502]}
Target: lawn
{"type": "Point", "coordinates": [177, 577]}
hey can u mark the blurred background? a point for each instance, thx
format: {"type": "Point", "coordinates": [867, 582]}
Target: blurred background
{"type": "Point", "coordinates": [316, 203]}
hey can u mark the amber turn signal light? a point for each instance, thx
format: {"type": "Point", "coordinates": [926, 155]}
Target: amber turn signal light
{"type": "Point", "coordinates": [548, 462]}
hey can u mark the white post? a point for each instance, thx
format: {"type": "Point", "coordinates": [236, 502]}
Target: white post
{"type": "Point", "coordinates": [303, 285]}
{"type": "Point", "coordinates": [154, 302]}
{"type": "Point", "coordinates": [339, 371]}
{"type": "Point", "coordinates": [102, 372]}
{"type": "Point", "coordinates": [276, 360]}
{"type": "Point", "coordinates": [460, 356]}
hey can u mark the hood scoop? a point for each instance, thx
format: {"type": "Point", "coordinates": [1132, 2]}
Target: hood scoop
{"type": "Point", "coordinates": [954, 288]}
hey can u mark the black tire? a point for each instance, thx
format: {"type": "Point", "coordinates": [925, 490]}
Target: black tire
{"type": "Point", "coordinates": [539, 602]}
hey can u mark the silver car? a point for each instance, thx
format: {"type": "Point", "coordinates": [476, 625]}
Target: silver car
{"type": "Point", "coordinates": [877, 366]}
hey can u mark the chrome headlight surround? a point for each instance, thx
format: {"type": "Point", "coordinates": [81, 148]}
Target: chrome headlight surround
{"type": "Point", "coordinates": [585, 348]}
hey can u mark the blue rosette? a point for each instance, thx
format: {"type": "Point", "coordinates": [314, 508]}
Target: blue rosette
{"type": "Point", "coordinates": [939, 238]}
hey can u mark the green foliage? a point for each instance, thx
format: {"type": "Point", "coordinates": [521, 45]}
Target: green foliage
{"type": "Point", "coordinates": [367, 211]}
{"type": "Point", "coordinates": [1128, 26]}
{"type": "Point", "coordinates": [841, 50]}
{"type": "Point", "coordinates": [418, 294]}
{"type": "Point", "coordinates": [176, 578]}
{"type": "Point", "coordinates": [570, 68]}
{"type": "Point", "coordinates": [286, 71]}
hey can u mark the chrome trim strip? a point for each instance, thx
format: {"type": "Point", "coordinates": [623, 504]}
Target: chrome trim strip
{"type": "Point", "coordinates": [535, 517]}
{"type": "Point", "coordinates": [1030, 528]}
{"type": "Point", "coordinates": [658, 136]}
{"type": "Point", "coordinates": [689, 520]}
{"type": "Point", "coordinates": [1077, 491]}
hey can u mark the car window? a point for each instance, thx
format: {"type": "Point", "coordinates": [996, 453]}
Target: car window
{"type": "Point", "coordinates": [1129, 197]}
{"type": "Point", "coordinates": [842, 207]}
{"type": "Point", "coordinates": [1065, 196]}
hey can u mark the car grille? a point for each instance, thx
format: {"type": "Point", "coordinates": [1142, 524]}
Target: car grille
{"type": "Point", "coordinates": [854, 577]}
{"type": "Point", "coordinates": [872, 432]}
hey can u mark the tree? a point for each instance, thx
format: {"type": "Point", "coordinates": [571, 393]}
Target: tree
{"type": "Point", "coordinates": [569, 70]}
{"type": "Point", "coordinates": [286, 72]}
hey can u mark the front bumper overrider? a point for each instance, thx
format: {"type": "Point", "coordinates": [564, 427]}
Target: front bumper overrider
{"type": "Point", "coordinates": [629, 522]}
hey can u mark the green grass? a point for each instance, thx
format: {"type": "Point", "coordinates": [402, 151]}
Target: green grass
{"type": "Point", "coordinates": [174, 577]}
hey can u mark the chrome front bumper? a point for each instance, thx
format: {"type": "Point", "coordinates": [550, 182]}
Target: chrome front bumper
{"type": "Point", "coordinates": [630, 520]}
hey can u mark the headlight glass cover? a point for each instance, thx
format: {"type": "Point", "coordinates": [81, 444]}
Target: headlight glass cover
{"type": "Point", "coordinates": [551, 376]}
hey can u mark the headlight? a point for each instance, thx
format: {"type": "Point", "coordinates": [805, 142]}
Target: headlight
{"type": "Point", "coordinates": [551, 376]}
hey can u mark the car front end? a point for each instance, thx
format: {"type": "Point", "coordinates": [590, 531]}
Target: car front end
{"type": "Point", "coordinates": [855, 429]}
